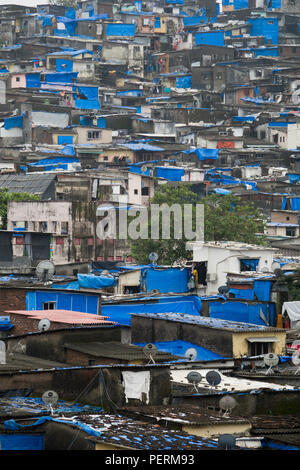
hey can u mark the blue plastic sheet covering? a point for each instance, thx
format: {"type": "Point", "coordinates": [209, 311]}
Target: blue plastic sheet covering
{"type": "Point", "coordinates": [86, 97]}
{"type": "Point", "coordinates": [293, 178]}
{"type": "Point", "coordinates": [60, 77]}
{"type": "Point", "coordinates": [22, 441]}
{"type": "Point", "coordinates": [283, 203]}
{"type": "Point", "coordinates": [274, 4]}
{"type": "Point", "coordinates": [130, 93]}
{"type": "Point", "coordinates": [267, 27]}
{"type": "Point", "coordinates": [86, 121]}
{"type": "Point", "coordinates": [33, 80]}
{"type": "Point", "coordinates": [70, 24]}
{"type": "Point", "coordinates": [69, 150]}
{"type": "Point", "coordinates": [246, 294]}
{"type": "Point", "coordinates": [240, 4]}
{"type": "Point", "coordinates": [54, 161]}
{"type": "Point", "coordinates": [165, 280]}
{"type": "Point", "coordinates": [70, 286]}
{"type": "Point", "coordinates": [210, 38]}
{"type": "Point", "coordinates": [142, 146]}
{"type": "Point", "coordinates": [179, 348]}
{"type": "Point", "coordinates": [221, 191]}
{"type": "Point", "coordinates": [243, 118]}
{"type": "Point", "coordinates": [257, 314]}
{"type": "Point", "coordinates": [204, 154]}
{"type": "Point", "coordinates": [15, 121]}
{"type": "Point", "coordinates": [101, 123]}
{"type": "Point", "coordinates": [12, 425]}
{"type": "Point", "coordinates": [250, 264]}
{"type": "Point", "coordinates": [89, 281]}
{"type": "Point", "coordinates": [295, 204]}
{"type": "Point", "coordinates": [70, 13]}
{"type": "Point", "coordinates": [121, 313]}
{"type": "Point", "coordinates": [64, 139]}
{"type": "Point", "coordinates": [269, 444]}
{"type": "Point", "coordinates": [262, 290]}
{"type": "Point", "coordinates": [184, 82]}
{"type": "Point", "coordinates": [64, 65]}
{"type": "Point", "coordinates": [120, 29]}
{"type": "Point", "coordinates": [194, 20]}
{"type": "Point", "coordinates": [170, 174]}
{"type": "Point", "coordinates": [175, 2]}
{"type": "Point", "coordinates": [5, 323]}
{"type": "Point", "coordinates": [75, 301]}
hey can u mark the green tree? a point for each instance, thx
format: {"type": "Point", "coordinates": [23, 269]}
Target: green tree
{"type": "Point", "coordinates": [227, 218]}
{"type": "Point", "coordinates": [172, 249]}
{"type": "Point", "coordinates": [5, 197]}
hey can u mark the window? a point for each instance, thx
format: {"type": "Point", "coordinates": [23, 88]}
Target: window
{"type": "Point", "coordinates": [64, 228]}
{"type": "Point", "coordinates": [136, 191]}
{"type": "Point", "coordinates": [43, 227]}
{"type": "Point", "coordinates": [294, 50]}
{"type": "Point", "coordinates": [93, 135]}
{"type": "Point", "coordinates": [290, 232]}
{"type": "Point", "coordinates": [145, 191]}
{"type": "Point", "coordinates": [260, 348]}
{"type": "Point", "coordinates": [59, 241]}
{"type": "Point", "coordinates": [49, 305]}
{"type": "Point", "coordinates": [105, 159]}
{"type": "Point", "coordinates": [17, 79]}
{"type": "Point", "coordinates": [248, 264]}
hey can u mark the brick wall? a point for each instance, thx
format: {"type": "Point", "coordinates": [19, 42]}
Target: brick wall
{"type": "Point", "coordinates": [12, 299]}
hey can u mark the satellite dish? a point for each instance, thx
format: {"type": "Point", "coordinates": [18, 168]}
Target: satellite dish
{"type": "Point", "coordinates": [153, 257]}
{"type": "Point", "coordinates": [296, 361]}
{"type": "Point", "coordinates": [213, 378]}
{"type": "Point", "coordinates": [226, 441]}
{"type": "Point", "coordinates": [275, 265]}
{"type": "Point", "coordinates": [194, 378]}
{"type": "Point", "coordinates": [50, 398]}
{"type": "Point", "coordinates": [44, 324]}
{"type": "Point", "coordinates": [223, 289]}
{"type": "Point", "coordinates": [227, 404]}
{"type": "Point", "coordinates": [150, 351]}
{"type": "Point", "coordinates": [191, 354]}
{"type": "Point", "coordinates": [271, 360]}
{"type": "Point", "coordinates": [45, 270]}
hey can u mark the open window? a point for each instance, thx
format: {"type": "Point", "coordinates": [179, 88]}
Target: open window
{"type": "Point", "coordinates": [248, 264]}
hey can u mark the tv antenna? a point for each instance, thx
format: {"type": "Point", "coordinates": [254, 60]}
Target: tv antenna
{"type": "Point", "coordinates": [270, 360]}
{"type": "Point", "coordinates": [191, 354]}
{"type": "Point", "coordinates": [296, 362]}
{"type": "Point", "coordinates": [45, 271]}
{"type": "Point", "coordinates": [227, 404]}
{"type": "Point", "coordinates": [150, 351]}
{"type": "Point", "coordinates": [50, 398]}
{"type": "Point", "coordinates": [153, 257]}
{"type": "Point", "coordinates": [44, 324]}
{"type": "Point", "coordinates": [226, 441]}
{"type": "Point", "coordinates": [194, 378]}
{"type": "Point", "coordinates": [213, 378]}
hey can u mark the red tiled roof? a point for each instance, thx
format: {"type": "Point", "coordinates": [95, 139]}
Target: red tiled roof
{"type": "Point", "coordinates": [64, 316]}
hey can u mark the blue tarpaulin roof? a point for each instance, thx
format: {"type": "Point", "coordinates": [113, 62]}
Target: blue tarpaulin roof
{"type": "Point", "coordinates": [204, 154]}
{"type": "Point", "coordinates": [179, 348]}
{"type": "Point", "coordinates": [90, 281]}
{"type": "Point", "coordinates": [14, 121]}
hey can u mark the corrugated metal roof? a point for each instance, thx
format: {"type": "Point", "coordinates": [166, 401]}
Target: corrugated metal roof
{"type": "Point", "coordinates": [29, 183]}
{"type": "Point", "coordinates": [64, 316]}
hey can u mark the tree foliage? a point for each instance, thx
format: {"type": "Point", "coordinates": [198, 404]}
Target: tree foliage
{"type": "Point", "coordinates": [226, 218]}
{"type": "Point", "coordinates": [5, 197]}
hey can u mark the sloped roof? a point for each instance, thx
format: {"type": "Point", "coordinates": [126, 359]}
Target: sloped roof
{"type": "Point", "coordinates": [30, 183]}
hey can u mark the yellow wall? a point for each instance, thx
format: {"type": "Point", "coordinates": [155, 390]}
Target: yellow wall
{"type": "Point", "coordinates": [163, 25]}
{"type": "Point", "coordinates": [240, 344]}
{"type": "Point", "coordinates": [217, 429]}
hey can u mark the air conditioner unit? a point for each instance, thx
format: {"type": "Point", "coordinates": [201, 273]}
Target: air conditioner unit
{"type": "Point", "coordinates": [212, 277]}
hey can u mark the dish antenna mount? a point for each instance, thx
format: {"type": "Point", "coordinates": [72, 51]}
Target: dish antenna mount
{"type": "Point", "coordinates": [44, 324]}
{"type": "Point", "coordinates": [50, 398]}
{"type": "Point", "coordinates": [213, 378]}
{"type": "Point", "coordinates": [191, 354]}
{"type": "Point", "coordinates": [150, 351]}
{"type": "Point", "coordinates": [227, 404]}
{"type": "Point", "coordinates": [194, 378]}
{"type": "Point", "coordinates": [270, 360]}
{"type": "Point", "coordinates": [153, 257]}
{"type": "Point", "coordinates": [45, 270]}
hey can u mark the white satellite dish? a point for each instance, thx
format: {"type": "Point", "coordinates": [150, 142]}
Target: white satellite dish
{"type": "Point", "coordinates": [50, 398]}
{"type": "Point", "coordinates": [150, 351]}
{"type": "Point", "coordinates": [270, 360]}
{"type": "Point", "coordinates": [44, 324]}
{"type": "Point", "coordinates": [296, 361]}
{"type": "Point", "coordinates": [45, 270]}
{"type": "Point", "coordinates": [194, 378]}
{"type": "Point", "coordinates": [191, 354]}
{"type": "Point", "coordinates": [227, 404]}
{"type": "Point", "coordinates": [153, 257]}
